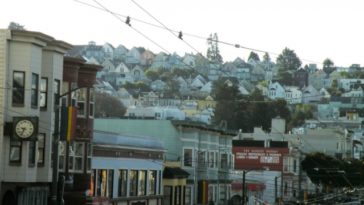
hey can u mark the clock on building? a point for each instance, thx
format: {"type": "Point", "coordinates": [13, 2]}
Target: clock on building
{"type": "Point", "coordinates": [25, 128]}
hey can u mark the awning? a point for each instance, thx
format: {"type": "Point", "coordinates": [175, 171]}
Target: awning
{"type": "Point", "coordinates": [174, 172]}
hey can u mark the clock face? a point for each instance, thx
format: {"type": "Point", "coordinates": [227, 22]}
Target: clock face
{"type": "Point", "coordinates": [24, 128]}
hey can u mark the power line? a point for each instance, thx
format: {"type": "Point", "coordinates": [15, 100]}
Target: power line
{"type": "Point", "coordinates": [236, 45]}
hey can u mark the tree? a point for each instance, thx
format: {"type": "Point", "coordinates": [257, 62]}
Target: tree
{"type": "Point", "coordinates": [287, 63]}
{"type": "Point", "coordinates": [328, 66]}
{"type": "Point", "coordinates": [152, 74]}
{"type": "Point", "coordinates": [288, 60]}
{"type": "Point", "coordinates": [254, 56]}
{"type": "Point", "coordinates": [227, 97]}
{"type": "Point", "coordinates": [108, 106]}
{"type": "Point", "coordinates": [266, 57]}
{"type": "Point", "coordinates": [213, 52]}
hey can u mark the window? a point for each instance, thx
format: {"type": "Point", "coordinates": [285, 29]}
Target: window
{"type": "Point", "coordinates": [201, 158]}
{"type": "Point", "coordinates": [56, 89]}
{"type": "Point", "coordinates": [81, 100]}
{"type": "Point", "coordinates": [223, 160]}
{"type": "Point", "coordinates": [187, 157]}
{"type": "Point", "coordinates": [18, 88]}
{"type": "Point", "coordinates": [177, 198]}
{"type": "Point", "coordinates": [43, 93]}
{"type": "Point", "coordinates": [211, 193]}
{"type": "Point", "coordinates": [152, 182]}
{"type": "Point", "coordinates": [211, 159]}
{"type": "Point", "coordinates": [89, 156]}
{"type": "Point", "coordinates": [62, 155]}
{"type": "Point", "coordinates": [92, 102]}
{"type": "Point", "coordinates": [79, 150]}
{"type": "Point", "coordinates": [222, 194]}
{"type": "Point", "coordinates": [41, 148]}
{"type": "Point", "coordinates": [15, 151]}
{"type": "Point", "coordinates": [101, 186]}
{"type": "Point", "coordinates": [133, 182]}
{"type": "Point", "coordinates": [142, 183]}
{"type": "Point", "coordinates": [188, 195]}
{"type": "Point", "coordinates": [110, 180]}
{"type": "Point", "coordinates": [34, 90]}
{"type": "Point", "coordinates": [167, 195]}
{"type": "Point", "coordinates": [31, 154]}
{"type": "Point", "coordinates": [294, 165]}
{"type": "Point", "coordinates": [71, 156]}
{"type": "Point", "coordinates": [123, 179]}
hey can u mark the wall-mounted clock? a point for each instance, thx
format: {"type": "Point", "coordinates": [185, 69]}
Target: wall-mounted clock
{"type": "Point", "coordinates": [25, 128]}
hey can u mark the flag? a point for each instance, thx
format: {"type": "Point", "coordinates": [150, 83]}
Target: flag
{"type": "Point", "coordinates": [68, 123]}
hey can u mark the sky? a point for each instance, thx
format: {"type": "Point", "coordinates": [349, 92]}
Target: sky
{"type": "Point", "coordinates": [314, 29]}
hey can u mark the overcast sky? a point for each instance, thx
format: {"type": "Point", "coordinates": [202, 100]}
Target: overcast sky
{"type": "Point", "coordinates": [314, 29]}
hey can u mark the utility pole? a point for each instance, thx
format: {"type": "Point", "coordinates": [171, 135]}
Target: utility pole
{"type": "Point", "coordinates": [299, 177]}
{"type": "Point", "coordinates": [55, 152]}
{"type": "Point", "coordinates": [243, 189]}
{"type": "Point", "coordinates": [275, 189]}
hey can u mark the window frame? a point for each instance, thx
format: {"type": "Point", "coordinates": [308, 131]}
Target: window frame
{"type": "Point", "coordinates": [34, 101]}
{"type": "Point", "coordinates": [19, 145]}
{"type": "Point", "coordinates": [18, 89]}
{"type": "Point", "coordinates": [123, 183]}
{"type": "Point", "coordinates": [79, 151]}
{"type": "Point", "coordinates": [142, 183]}
{"type": "Point", "coordinates": [152, 188]}
{"type": "Point", "coordinates": [43, 93]}
{"type": "Point", "coordinates": [188, 163]}
{"type": "Point", "coordinates": [41, 149]}
{"type": "Point", "coordinates": [133, 181]}
{"type": "Point", "coordinates": [32, 150]}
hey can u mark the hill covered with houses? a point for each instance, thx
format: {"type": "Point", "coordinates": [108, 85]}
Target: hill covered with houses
{"type": "Point", "coordinates": [169, 86]}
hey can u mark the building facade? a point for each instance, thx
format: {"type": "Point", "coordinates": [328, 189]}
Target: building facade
{"type": "Point", "coordinates": [31, 65]}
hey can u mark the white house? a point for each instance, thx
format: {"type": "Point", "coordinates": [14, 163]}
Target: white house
{"type": "Point", "coordinates": [354, 93]}
{"type": "Point", "coordinates": [275, 91]}
{"type": "Point", "coordinates": [348, 84]}
{"type": "Point", "coordinates": [189, 61]}
{"type": "Point", "coordinates": [293, 95]}
{"type": "Point", "coordinates": [158, 85]}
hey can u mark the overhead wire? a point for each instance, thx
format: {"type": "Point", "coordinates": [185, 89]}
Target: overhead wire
{"type": "Point", "coordinates": [236, 45]}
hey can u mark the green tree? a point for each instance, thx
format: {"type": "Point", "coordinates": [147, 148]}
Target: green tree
{"type": "Point", "coordinates": [328, 66]}
{"type": "Point", "coordinates": [108, 106]}
{"type": "Point", "coordinates": [287, 62]}
{"type": "Point", "coordinates": [266, 57]}
{"type": "Point", "coordinates": [254, 56]}
{"type": "Point", "coordinates": [213, 52]}
{"type": "Point", "coordinates": [152, 74]}
{"type": "Point", "coordinates": [227, 97]}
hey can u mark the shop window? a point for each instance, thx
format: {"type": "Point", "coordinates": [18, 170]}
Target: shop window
{"type": "Point", "coordinates": [15, 151]}
{"type": "Point", "coordinates": [167, 195]}
{"type": "Point", "coordinates": [34, 90]}
{"type": "Point", "coordinates": [71, 156]}
{"type": "Point", "coordinates": [43, 93]}
{"type": "Point", "coordinates": [123, 179]}
{"type": "Point", "coordinates": [152, 182]}
{"type": "Point", "coordinates": [101, 186]}
{"type": "Point", "coordinates": [177, 194]}
{"type": "Point", "coordinates": [188, 194]}
{"type": "Point", "coordinates": [110, 184]}
{"type": "Point", "coordinates": [142, 183]}
{"type": "Point", "coordinates": [133, 182]}
{"type": "Point", "coordinates": [41, 148]}
{"type": "Point", "coordinates": [18, 88]}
